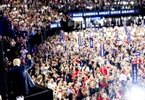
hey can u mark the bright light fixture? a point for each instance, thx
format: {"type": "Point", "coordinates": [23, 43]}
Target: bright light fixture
{"type": "Point", "coordinates": [132, 2]}
{"type": "Point", "coordinates": [135, 93]}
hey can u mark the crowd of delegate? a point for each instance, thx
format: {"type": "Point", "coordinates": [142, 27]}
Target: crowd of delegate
{"type": "Point", "coordinates": [21, 21]}
{"type": "Point", "coordinates": [89, 5]}
{"type": "Point", "coordinates": [75, 70]}
{"type": "Point", "coordinates": [67, 63]}
{"type": "Point", "coordinates": [86, 5]}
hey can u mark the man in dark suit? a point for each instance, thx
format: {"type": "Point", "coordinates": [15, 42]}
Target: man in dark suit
{"type": "Point", "coordinates": [19, 80]}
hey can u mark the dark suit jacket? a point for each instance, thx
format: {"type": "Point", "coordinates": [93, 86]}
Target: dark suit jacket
{"type": "Point", "coordinates": [19, 79]}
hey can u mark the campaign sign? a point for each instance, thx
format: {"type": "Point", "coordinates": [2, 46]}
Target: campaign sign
{"type": "Point", "coordinates": [134, 73]}
{"type": "Point", "coordinates": [91, 42]}
{"type": "Point", "coordinates": [79, 41]}
{"type": "Point", "coordinates": [137, 53]}
{"type": "Point", "coordinates": [102, 53]}
{"type": "Point", "coordinates": [56, 25]}
{"type": "Point", "coordinates": [104, 13]}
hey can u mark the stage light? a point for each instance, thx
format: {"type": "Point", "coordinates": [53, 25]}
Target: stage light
{"type": "Point", "coordinates": [140, 17]}
{"type": "Point", "coordinates": [112, 9]}
{"type": "Point", "coordinates": [103, 18]}
{"type": "Point", "coordinates": [126, 7]}
{"type": "Point", "coordinates": [135, 93]}
{"type": "Point", "coordinates": [124, 2]}
{"type": "Point", "coordinates": [131, 2]}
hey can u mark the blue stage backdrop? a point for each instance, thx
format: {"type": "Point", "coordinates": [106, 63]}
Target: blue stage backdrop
{"type": "Point", "coordinates": [104, 13]}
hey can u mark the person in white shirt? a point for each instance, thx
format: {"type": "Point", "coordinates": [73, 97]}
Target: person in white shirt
{"type": "Point", "coordinates": [51, 84]}
{"type": "Point", "coordinates": [122, 77]}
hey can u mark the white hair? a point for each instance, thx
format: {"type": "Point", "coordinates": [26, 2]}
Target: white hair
{"type": "Point", "coordinates": [16, 62]}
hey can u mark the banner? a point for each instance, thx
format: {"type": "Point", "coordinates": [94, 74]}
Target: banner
{"type": "Point", "coordinates": [104, 13]}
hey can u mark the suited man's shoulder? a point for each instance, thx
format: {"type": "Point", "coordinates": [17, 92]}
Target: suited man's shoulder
{"type": "Point", "coordinates": [18, 67]}
{"type": "Point", "coordinates": [29, 61]}
{"type": "Point", "coordinates": [14, 68]}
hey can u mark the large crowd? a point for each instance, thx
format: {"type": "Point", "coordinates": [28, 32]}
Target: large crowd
{"type": "Point", "coordinates": [22, 22]}
{"type": "Point", "coordinates": [85, 5]}
{"type": "Point", "coordinates": [66, 63]}
{"type": "Point", "coordinates": [89, 5]}
{"type": "Point", "coordinates": [76, 71]}
{"type": "Point", "coordinates": [30, 17]}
